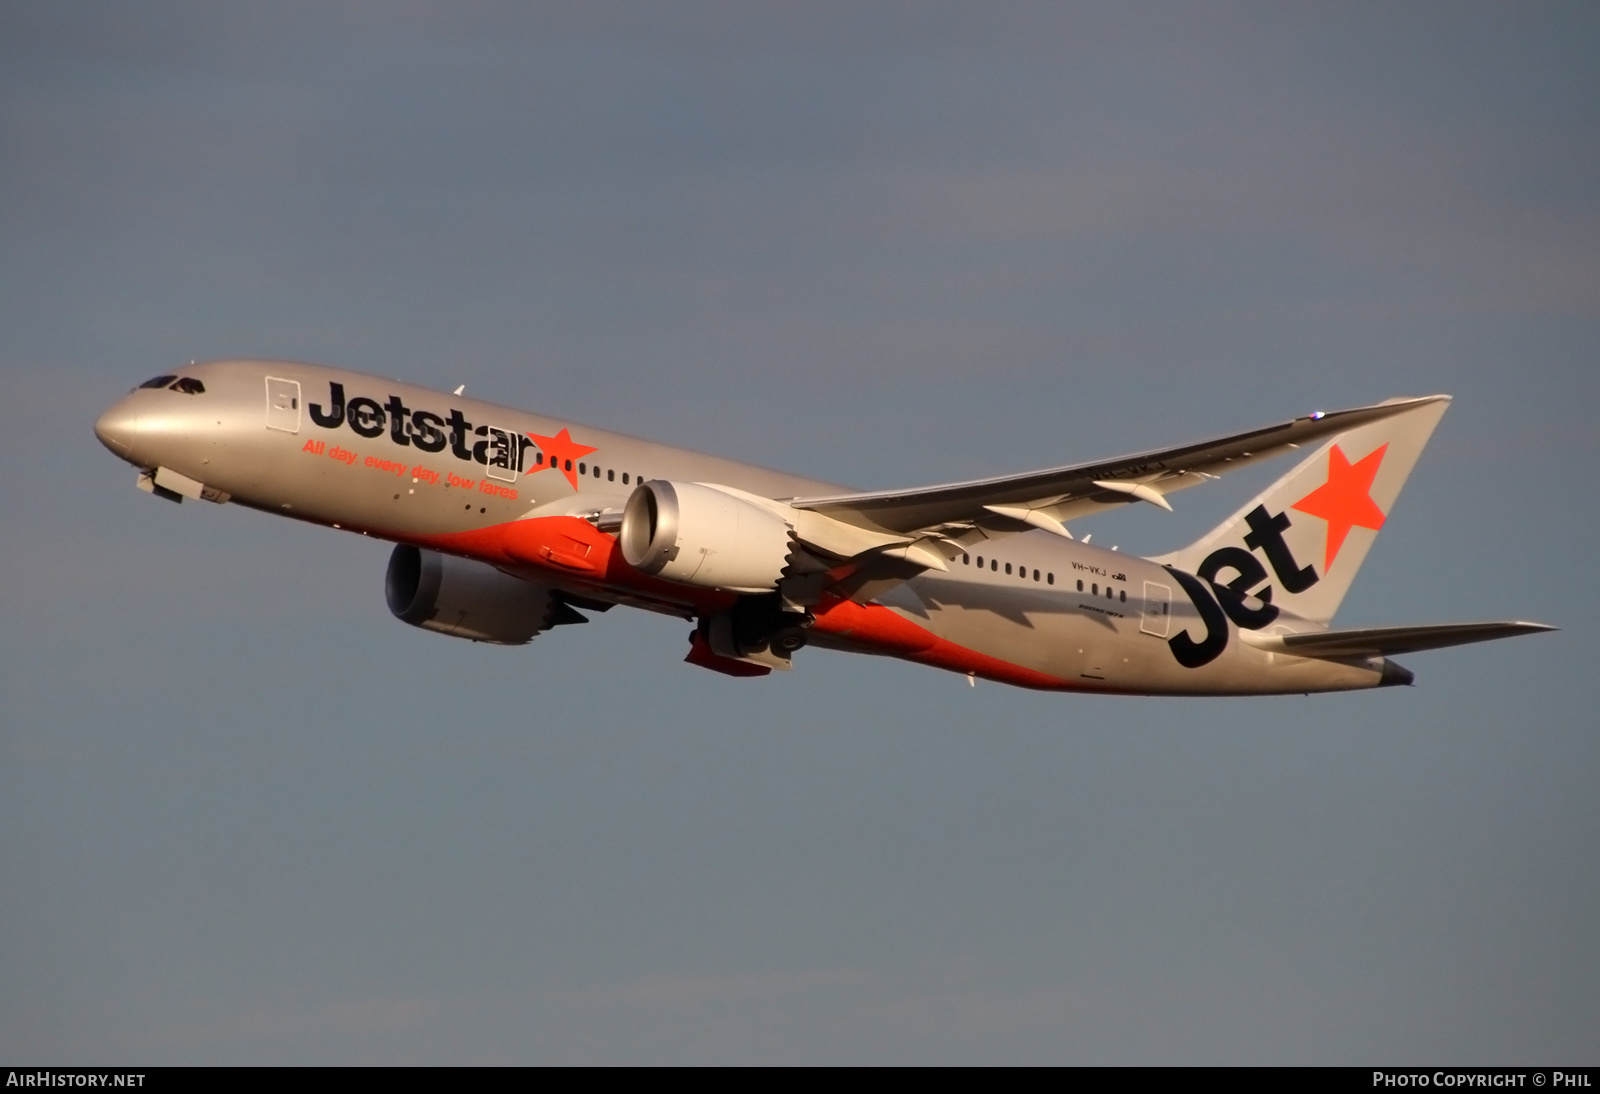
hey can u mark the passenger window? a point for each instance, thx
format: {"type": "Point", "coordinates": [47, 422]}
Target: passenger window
{"type": "Point", "coordinates": [966, 560]}
{"type": "Point", "coordinates": [158, 381]}
{"type": "Point", "coordinates": [1080, 584]}
{"type": "Point", "coordinates": [1036, 575]}
{"type": "Point", "coordinates": [1008, 567]}
{"type": "Point", "coordinates": [611, 476]}
{"type": "Point", "coordinates": [980, 562]}
{"type": "Point", "coordinates": [569, 465]}
{"type": "Point", "coordinates": [624, 478]}
{"type": "Point", "coordinates": [189, 386]}
{"type": "Point", "coordinates": [538, 457]}
{"type": "Point", "coordinates": [1094, 589]}
{"type": "Point", "coordinates": [583, 469]}
{"type": "Point", "coordinates": [994, 564]}
{"type": "Point", "coordinates": [1050, 579]}
{"type": "Point", "coordinates": [1123, 595]}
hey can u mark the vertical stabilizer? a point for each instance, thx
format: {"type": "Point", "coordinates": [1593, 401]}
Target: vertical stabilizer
{"type": "Point", "coordinates": [1289, 555]}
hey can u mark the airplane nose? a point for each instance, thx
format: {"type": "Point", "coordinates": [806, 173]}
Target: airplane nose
{"type": "Point", "coordinates": [118, 428]}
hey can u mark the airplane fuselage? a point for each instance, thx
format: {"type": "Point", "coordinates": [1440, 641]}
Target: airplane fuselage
{"type": "Point", "coordinates": [537, 496]}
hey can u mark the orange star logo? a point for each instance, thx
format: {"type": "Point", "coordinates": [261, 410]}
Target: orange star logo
{"type": "Point", "coordinates": [1345, 500]}
{"type": "Point", "coordinates": [560, 451]}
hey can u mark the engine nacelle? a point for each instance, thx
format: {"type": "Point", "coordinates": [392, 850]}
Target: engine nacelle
{"type": "Point", "coordinates": [699, 535]}
{"type": "Point", "coordinates": [466, 599]}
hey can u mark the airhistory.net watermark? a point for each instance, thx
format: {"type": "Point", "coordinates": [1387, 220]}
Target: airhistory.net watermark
{"type": "Point", "coordinates": [46, 1077]}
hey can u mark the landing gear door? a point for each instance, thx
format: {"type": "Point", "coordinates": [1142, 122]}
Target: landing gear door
{"type": "Point", "coordinates": [283, 404]}
{"type": "Point", "coordinates": [1157, 619]}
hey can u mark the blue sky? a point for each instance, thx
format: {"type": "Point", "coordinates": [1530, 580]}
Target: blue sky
{"type": "Point", "coordinates": [251, 818]}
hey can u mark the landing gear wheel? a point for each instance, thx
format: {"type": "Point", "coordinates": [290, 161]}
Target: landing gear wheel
{"type": "Point", "coordinates": [787, 641]}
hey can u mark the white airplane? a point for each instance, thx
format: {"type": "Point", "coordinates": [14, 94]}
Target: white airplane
{"type": "Point", "coordinates": [506, 523]}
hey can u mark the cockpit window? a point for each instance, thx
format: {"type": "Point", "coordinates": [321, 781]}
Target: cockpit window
{"type": "Point", "coordinates": [189, 386]}
{"type": "Point", "coordinates": [158, 381]}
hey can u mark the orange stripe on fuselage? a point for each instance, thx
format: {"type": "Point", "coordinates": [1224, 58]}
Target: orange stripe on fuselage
{"type": "Point", "coordinates": [569, 550]}
{"type": "Point", "coordinates": [882, 630]}
{"type": "Point", "coordinates": [575, 552]}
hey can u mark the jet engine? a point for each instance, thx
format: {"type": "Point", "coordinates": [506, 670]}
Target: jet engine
{"type": "Point", "coordinates": [466, 599]}
{"type": "Point", "coordinates": [700, 535]}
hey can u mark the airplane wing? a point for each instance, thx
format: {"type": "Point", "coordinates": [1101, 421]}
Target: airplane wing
{"type": "Point", "coordinates": [1046, 498]}
{"type": "Point", "coordinates": [1387, 641]}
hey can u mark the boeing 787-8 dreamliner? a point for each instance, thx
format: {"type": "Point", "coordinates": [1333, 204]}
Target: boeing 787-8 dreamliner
{"type": "Point", "coordinates": [508, 524]}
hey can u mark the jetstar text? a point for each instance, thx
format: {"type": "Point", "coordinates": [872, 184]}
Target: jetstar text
{"type": "Point", "coordinates": [487, 445]}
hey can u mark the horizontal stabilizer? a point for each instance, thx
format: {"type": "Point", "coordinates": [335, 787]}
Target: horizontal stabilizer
{"type": "Point", "coordinates": [1387, 641]}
